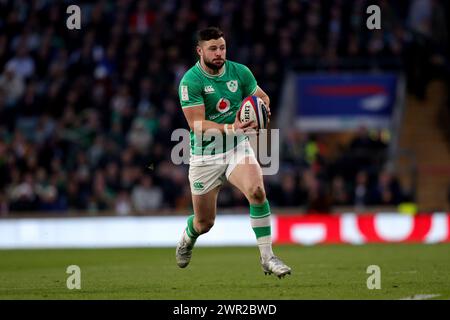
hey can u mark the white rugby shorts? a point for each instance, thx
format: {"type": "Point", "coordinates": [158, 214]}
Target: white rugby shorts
{"type": "Point", "coordinates": [209, 171]}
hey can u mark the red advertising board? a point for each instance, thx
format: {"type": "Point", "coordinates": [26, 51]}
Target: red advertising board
{"type": "Point", "coordinates": [359, 229]}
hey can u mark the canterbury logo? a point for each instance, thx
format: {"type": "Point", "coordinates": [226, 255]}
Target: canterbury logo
{"type": "Point", "coordinates": [209, 89]}
{"type": "Point", "coordinates": [198, 185]}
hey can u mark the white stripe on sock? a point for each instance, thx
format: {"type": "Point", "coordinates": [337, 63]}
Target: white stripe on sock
{"type": "Point", "coordinates": [187, 238]}
{"type": "Point", "coordinates": [262, 222]}
{"type": "Point", "coordinates": [264, 240]}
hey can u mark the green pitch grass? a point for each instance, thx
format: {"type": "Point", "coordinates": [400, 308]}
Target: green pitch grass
{"type": "Point", "coordinates": [319, 272]}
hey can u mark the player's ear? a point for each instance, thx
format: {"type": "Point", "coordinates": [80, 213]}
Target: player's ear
{"type": "Point", "coordinates": [199, 50]}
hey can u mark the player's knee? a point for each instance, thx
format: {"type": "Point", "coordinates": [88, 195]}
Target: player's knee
{"type": "Point", "coordinates": [257, 194]}
{"type": "Point", "coordinates": [204, 226]}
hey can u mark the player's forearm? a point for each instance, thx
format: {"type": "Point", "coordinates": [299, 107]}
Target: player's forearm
{"type": "Point", "coordinates": [263, 96]}
{"type": "Point", "coordinates": [205, 125]}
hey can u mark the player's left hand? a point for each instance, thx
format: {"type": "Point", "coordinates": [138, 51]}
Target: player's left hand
{"type": "Point", "coordinates": [268, 114]}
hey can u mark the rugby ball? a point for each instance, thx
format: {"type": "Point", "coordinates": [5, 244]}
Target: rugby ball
{"type": "Point", "coordinates": [253, 109]}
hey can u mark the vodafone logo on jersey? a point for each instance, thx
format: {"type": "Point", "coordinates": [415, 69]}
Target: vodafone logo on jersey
{"type": "Point", "coordinates": [358, 229]}
{"type": "Point", "coordinates": [223, 105]}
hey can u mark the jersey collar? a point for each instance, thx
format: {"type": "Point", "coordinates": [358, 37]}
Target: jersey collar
{"type": "Point", "coordinates": [206, 74]}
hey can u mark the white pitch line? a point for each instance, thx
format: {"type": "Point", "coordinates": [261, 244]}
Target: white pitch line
{"type": "Point", "coordinates": [421, 297]}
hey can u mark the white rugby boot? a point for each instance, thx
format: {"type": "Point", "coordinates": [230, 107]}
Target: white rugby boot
{"type": "Point", "coordinates": [276, 266]}
{"type": "Point", "coordinates": [183, 252]}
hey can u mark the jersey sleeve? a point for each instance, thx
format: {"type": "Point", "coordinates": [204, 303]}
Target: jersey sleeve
{"type": "Point", "coordinates": [190, 92]}
{"type": "Point", "coordinates": [249, 84]}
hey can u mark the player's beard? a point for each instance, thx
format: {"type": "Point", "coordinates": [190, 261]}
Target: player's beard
{"type": "Point", "coordinates": [214, 66]}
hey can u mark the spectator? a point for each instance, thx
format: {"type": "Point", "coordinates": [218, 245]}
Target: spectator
{"type": "Point", "coordinates": [123, 205]}
{"type": "Point", "coordinates": [12, 85]}
{"type": "Point", "coordinates": [387, 190]}
{"type": "Point", "coordinates": [318, 198]}
{"type": "Point", "coordinates": [363, 149]}
{"type": "Point", "coordinates": [47, 192]}
{"type": "Point", "coordinates": [142, 19]}
{"type": "Point", "coordinates": [288, 194]}
{"type": "Point", "coordinates": [361, 197]}
{"type": "Point", "coordinates": [22, 64]}
{"type": "Point", "coordinates": [23, 194]}
{"type": "Point", "coordinates": [146, 196]}
{"type": "Point", "coordinates": [339, 191]}
{"type": "Point", "coordinates": [75, 198]}
{"type": "Point", "coordinates": [101, 198]}
{"type": "Point", "coordinates": [420, 16]}
{"type": "Point", "coordinates": [139, 137]}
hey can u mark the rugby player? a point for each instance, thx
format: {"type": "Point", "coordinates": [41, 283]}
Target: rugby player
{"type": "Point", "coordinates": [210, 94]}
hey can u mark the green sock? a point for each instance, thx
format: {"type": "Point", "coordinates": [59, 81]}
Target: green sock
{"type": "Point", "coordinates": [260, 221]}
{"type": "Point", "coordinates": [190, 230]}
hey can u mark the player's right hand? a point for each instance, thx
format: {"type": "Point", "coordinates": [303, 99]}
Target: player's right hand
{"type": "Point", "coordinates": [247, 127]}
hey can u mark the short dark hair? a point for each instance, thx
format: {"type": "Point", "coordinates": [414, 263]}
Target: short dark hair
{"type": "Point", "coordinates": [209, 33]}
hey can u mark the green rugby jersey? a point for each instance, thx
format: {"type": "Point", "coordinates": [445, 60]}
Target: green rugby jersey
{"type": "Point", "coordinates": [221, 95]}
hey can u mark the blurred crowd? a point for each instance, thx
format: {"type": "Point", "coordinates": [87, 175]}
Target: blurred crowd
{"type": "Point", "coordinates": [86, 116]}
{"type": "Point", "coordinates": [321, 174]}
